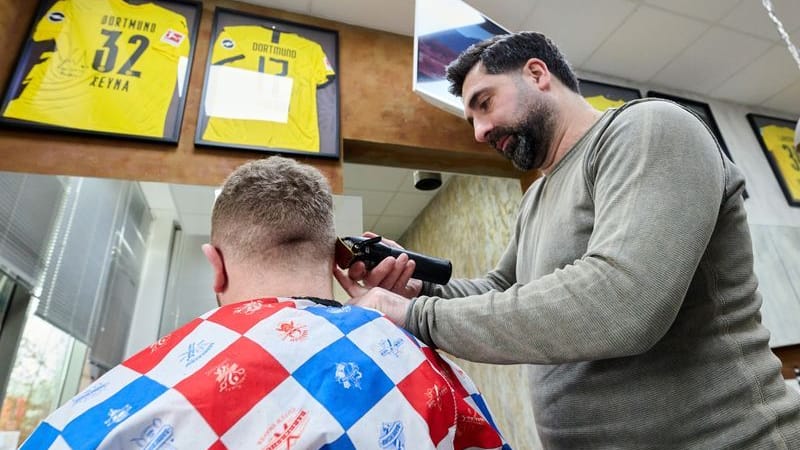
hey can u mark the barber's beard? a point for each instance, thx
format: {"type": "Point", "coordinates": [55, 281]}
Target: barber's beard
{"type": "Point", "coordinates": [530, 137]}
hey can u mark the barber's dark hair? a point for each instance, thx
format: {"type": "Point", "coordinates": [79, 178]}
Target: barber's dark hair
{"type": "Point", "coordinates": [506, 52]}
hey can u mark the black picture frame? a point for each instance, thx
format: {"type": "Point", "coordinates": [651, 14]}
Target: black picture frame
{"type": "Point", "coordinates": [703, 111]}
{"type": "Point", "coordinates": [778, 147]}
{"type": "Point", "coordinates": [113, 68]}
{"type": "Point", "coordinates": [603, 96]}
{"type": "Point", "coordinates": [285, 76]}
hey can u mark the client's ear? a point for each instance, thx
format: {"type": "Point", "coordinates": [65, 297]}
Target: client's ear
{"type": "Point", "coordinates": [218, 265]}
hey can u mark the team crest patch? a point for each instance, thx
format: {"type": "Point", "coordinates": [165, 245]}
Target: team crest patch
{"type": "Point", "coordinates": [156, 435]}
{"type": "Point", "coordinates": [249, 308]}
{"type": "Point", "coordinates": [116, 416]}
{"type": "Point", "coordinates": [173, 38]}
{"type": "Point", "coordinates": [195, 351]}
{"type": "Point", "coordinates": [348, 375]}
{"type": "Point", "coordinates": [292, 332]}
{"type": "Point", "coordinates": [227, 43]}
{"type": "Point", "coordinates": [388, 347]}
{"type": "Point", "coordinates": [229, 376]}
{"type": "Point", "coordinates": [435, 395]}
{"type": "Point", "coordinates": [285, 431]}
{"type": "Point", "coordinates": [55, 17]}
{"type": "Point", "coordinates": [392, 436]}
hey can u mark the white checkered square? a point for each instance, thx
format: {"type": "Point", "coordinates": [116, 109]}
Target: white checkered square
{"type": "Point", "coordinates": [59, 444]}
{"type": "Point", "coordinates": [106, 386]}
{"type": "Point", "coordinates": [194, 351]}
{"type": "Point", "coordinates": [170, 421]}
{"type": "Point", "coordinates": [208, 314]}
{"type": "Point", "coordinates": [391, 421]}
{"type": "Point", "coordinates": [293, 336]}
{"type": "Point", "coordinates": [286, 418]}
{"type": "Point", "coordinates": [389, 347]}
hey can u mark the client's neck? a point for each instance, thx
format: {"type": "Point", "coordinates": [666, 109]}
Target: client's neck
{"type": "Point", "coordinates": [306, 280]}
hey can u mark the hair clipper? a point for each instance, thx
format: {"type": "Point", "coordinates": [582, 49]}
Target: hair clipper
{"type": "Point", "coordinates": [372, 251]}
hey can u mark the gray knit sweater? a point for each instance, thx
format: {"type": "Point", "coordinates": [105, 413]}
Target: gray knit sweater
{"type": "Point", "coordinates": [628, 286]}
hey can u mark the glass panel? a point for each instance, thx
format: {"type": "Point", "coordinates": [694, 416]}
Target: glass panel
{"type": "Point", "coordinates": [36, 376]}
{"type": "Point", "coordinates": [6, 288]}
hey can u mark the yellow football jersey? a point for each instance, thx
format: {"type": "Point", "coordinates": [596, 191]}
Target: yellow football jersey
{"type": "Point", "coordinates": [603, 103]}
{"type": "Point", "coordinates": [780, 144]}
{"type": "Point", "coordinates": [269, 80]}
{"type": "Point", "coordinates": [115, 67]}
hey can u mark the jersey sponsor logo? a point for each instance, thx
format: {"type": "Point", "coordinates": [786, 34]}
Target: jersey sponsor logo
{"type": "Point", "coordinates": [195, 351]}
{"type": "Point", "coordinates": [229, 376]}
{"type": "Point", "coordinates": [156, 436]}
{"type": "Point", "coordinates": [159, 343]}
{"type": "Point", "coordinates": [292, 332]}
{"type": "Point", "coordinates": [392, 436]}
{"type": "Point", "coordinates": [172, 37]}
{"type": "Point", "coordinates": [249, 307]}
{"type": "Point", "coordinates": [116, 416]}
{"type": "Point", "coordinates": [227, 43]}
{"type": "Point", "coordinates": [434, 395]}
{"type": "Point", "coordinates": [285, 431]}
{"type": "Point", "coordinates": [388, 347]}
{"type": "Point", "coordinates": [90, 392]}
{"type": "Point", "coordinates": [55, 16]}
{"type": "Point", "coordinates": [348, 375]}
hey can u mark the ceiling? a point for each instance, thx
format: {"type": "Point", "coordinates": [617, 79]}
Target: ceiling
{"type": "Point", "coordinates": [723, 49]}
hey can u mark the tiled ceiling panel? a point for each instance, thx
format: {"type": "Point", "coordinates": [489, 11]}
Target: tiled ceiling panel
{"type": "Point", "coordinates": [597, 20]}
{"type": "Point", "coordinates": [754, 84]}
{"type": "Point", "coordinates": [395, 16]}
{"type": "Point", "coordinates": [710, 10]}
{"type": "Point", "coordinates": [750, 16]}
{"type": "Point", "coordinates": [644, 44]}
{"type": "Point", "coordinates": [716, 56]}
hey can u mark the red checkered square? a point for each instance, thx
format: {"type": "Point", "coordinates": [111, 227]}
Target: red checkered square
{"type": "Point", "coordinates": [218, 446]}
{"type": "Point", "coordinates": [431, 396]}
{"type": "Point", "coordinates": [145, 360]}
{"type": "Point", "coordinates": [241, 316]}
{"type": "Point", "coordinates": [446, 370]}
{"type": "Point", "coordinates": [473, 431]}
{"type": "Point", "coordinates": [231, 383]}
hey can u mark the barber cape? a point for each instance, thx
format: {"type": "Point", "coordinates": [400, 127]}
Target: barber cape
{"type": "Point", "coordinates": [275, 374]}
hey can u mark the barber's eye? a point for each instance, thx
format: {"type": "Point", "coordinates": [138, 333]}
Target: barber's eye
{"type": "Point", "coordinates": [484, 104]}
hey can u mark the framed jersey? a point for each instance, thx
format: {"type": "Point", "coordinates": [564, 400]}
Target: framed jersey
{"type": "Point", "coordinates": [111, 67]}
{"type": "Point", "coordinates": [776, 137]}
{"type": "Point", "coordinates": [271, 86]}
{"type": "Point", "coordinates": [603, 96]}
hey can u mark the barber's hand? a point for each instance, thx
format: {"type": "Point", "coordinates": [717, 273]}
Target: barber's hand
{"type": "Point", "coordinates": [393, 274]}
{"type": "Point", "coordinates": [394, 306]}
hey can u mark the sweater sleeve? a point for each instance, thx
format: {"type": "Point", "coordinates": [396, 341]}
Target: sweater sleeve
{"type": "Point", "coordinates": [656, 180]}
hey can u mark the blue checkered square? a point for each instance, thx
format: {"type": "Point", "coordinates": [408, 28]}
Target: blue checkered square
{"type": "Point", "coordinates": [43, 437]}
{"type": "Point", "coordinates": [345, 380]}
{"type": "Point", "coordinates": [91, 427]}
{"type": "Point", "coordinates": [346, 320]}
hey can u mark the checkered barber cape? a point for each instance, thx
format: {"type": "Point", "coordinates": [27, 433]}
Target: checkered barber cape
{"type": "Point", "coordinates": [278, 374]}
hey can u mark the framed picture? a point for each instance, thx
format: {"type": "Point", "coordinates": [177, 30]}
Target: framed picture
{"type": "Point", "coordinates": [776, 137]}
{"type": "Point", "coordinates": [704, 112]}
{"type": "Point", "coordinates": [271, 86]}
{"type": "Point", "coordinates": [603, 95]}
{"type": "Point", "coordinates": [105, 67]}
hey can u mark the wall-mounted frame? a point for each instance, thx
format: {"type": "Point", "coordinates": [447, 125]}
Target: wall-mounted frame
{"type": "Point", "coordinates": [603, 96]}
{"type": "Point", "coordinates": [702, 110]}
{"type": "Point", "coordinates": [776, 137]}
{"type": "Point", "coordinates": [105, 67]}
{"type": "Point", "coordinates": [271, 86]}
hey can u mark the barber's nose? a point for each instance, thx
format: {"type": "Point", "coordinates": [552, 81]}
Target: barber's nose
{"type": "Point", "coordinates": [482, 129]}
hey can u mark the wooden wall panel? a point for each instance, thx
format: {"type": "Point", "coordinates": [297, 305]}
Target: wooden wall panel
{"type": "Point", "coordinates": [383, 122]}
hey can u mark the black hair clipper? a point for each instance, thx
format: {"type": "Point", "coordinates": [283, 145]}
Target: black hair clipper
{"type": "Point", "coordinates": [372, 251]}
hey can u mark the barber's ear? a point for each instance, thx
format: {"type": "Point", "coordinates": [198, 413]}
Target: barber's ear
{"type": "Point", "coordinates": [538, 71]}
{"type": "Point", "coordinates": [218, 265]}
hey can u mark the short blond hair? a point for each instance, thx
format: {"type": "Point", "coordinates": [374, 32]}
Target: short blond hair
{"type": "Point", "coordinates": [274, 209]}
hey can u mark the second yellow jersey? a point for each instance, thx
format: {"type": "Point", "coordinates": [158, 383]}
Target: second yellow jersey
{"type": "Point", "coordinates": [114, 68]}
{"type": "Point", "coordinates": [290, 64]}
{"type": "Point", "coordinates": [780, 144]}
